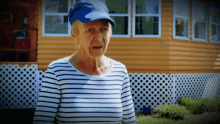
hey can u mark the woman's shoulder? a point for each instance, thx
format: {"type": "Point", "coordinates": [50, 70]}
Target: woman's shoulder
{"type": "Point", "coordinates": [117, 63]}
{"type": "Point", "coordinates": [60, 61]}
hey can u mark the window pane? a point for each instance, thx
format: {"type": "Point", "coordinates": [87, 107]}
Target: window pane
{"type": "Point", "coordinates": [181, 27]}
{"type": "Point", "coordinates": [215, 14]}
{"type": "Point", "coordinates": [58, 6]}
{"type": "Point", "coordinates": [182, 8]}
{"type": "Point", "coordinates": [214, 32]}
{"type": "Point", "coordinates": [56, 24]}
{"type": "Point", "coordinates": [200, 30]}
{"type": "Point", "coordinates": [117, 6]}
{"type": "Point", "coordinates": [146, 25]}
{"type": "Point", "coordinates": [199, 10]}
{"type": "Point", "coordinates": [121, 25]}
{"type": "Point", "coordinates": [147, 6]}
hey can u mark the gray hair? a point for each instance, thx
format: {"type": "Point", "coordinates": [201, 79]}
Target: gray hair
{"type": "Point", "coordinates": [74, 27]}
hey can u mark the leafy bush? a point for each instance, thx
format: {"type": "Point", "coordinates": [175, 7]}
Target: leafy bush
{"type": "Point", "coordinates": [171, 111]}
{"type": "Point", "coordinates": [216, 104]}
{"type": "Point", "coordinates": [207, 104]}
{"type": "Point", "coordinates": [198, 106]}
{"type": "Point", "coordinates": [184, 100]}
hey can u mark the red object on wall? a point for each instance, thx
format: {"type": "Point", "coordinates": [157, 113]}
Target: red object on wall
{"type": "Point", "coordinates": [23, 43]}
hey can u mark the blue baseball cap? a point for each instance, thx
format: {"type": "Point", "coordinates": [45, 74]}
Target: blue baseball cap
{"type": "Point", "coordinates": [88, 11]}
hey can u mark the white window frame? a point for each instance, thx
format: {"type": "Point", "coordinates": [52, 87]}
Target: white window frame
{"type": "Point", "coordinates": [144, 15]}
{"type": "Point", "coordinates": [194, 20]}
{"type": "Point", "coordinates": [174, 22]}
{"type": "Point", "coordinates": [121, 15]}
{"type": "Point", "coordinates": [210, 26]}
{"type": "Point", "coordinates": [43, 21]}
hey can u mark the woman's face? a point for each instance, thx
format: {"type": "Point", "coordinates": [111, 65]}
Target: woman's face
{"type": "Point", "coordinates": [93, 37]}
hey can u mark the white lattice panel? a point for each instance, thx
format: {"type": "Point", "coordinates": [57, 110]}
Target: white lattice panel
{"type": "Point", "coordinates": [18, 87]}
{"type": "Point", "coordinates": [150, 90]}
{"type": "Point", "coordinates": [196, 86]}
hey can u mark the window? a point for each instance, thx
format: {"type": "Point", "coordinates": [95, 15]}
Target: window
{"type": "Point", "coordinates": [119, 11]}
{"type": "Point", "coordinates": [147, 18]}
{"type": "Point", "coordinates": [199, 23]}
{"type": "Point", "coordinates": [55, 18]}
{"type": "Point", "coordinates": [181, 19]}
{"type": "Point", "coordinates": [214, 22]}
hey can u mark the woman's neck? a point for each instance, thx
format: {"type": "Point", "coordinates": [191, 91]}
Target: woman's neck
{"type": "Point", "coordinates": [90, 65]}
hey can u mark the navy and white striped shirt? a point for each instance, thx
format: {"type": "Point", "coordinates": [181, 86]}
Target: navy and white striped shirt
{"type": "Point", "coordinates": [75, 97]}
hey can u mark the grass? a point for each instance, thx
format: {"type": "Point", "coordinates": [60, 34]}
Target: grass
{"type": "Point", "coordinates": [143, 119]}
{"type": "Point", "coordinates": [205, 118]}
{"type": "Point", "coordinates": [212, 117]}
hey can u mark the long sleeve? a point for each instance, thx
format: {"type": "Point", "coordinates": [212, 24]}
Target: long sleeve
{"type": "Point", "coordinates": [48, 100]}
{"type": "Point", "coordinates": [127, 103]}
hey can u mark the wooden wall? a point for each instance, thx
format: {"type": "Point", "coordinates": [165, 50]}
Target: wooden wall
{"type": "Point", "coordinates": [193, 56]}
{"type": "Point", "coordinates": [142, 55]}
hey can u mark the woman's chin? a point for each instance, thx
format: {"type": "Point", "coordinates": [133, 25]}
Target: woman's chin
{"type": "Point", "coordinates": [96, 53]}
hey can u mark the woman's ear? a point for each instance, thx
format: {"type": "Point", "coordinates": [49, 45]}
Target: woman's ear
{"type": "Point", "coordinates": [73, 35]}
{"type": "Point", "coordinates": [75, 39]}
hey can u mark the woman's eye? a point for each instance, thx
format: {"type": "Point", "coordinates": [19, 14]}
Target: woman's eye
{"type": "Point", "coordinates": [90, 30]}
{"type": "Point", "coordinates": [105, 29]}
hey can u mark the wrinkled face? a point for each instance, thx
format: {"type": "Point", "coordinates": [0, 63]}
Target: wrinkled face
{"type": "Point", "coordinates": [93, 37]}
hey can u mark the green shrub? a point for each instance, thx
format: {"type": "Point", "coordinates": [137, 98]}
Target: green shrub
{"type": "Point", "coordinates": [198, 106]}
{"type": "Point", "coordinates": [216, 104]}
{"type": "Point", "coordinates": [191, 106]}
{"type": "Point", "coordinates": [207, 104]}
{"type": "Point", "coordinates": [171, 111]}
{"type": "Point", "coordinates": [184, 100]}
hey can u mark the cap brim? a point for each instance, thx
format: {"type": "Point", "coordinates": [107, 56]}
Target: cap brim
{"type": "Point", "coordinates": [96, 16]}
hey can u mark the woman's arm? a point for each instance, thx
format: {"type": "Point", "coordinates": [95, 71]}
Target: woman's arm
{"type": "Point", "coordinates": [48, 100]}
{"type": "Point", "coordinates": [127, 103]}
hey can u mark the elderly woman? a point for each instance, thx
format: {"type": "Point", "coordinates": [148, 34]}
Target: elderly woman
{"type": "Point", "coordinates": [86, 87]}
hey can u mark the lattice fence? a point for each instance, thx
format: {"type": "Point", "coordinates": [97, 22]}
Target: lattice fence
{"type": "Point", "coordinates": [150, 89]}
{"type": "Point", "coordinates": [157, 89]}
{"type": "Point", "coordinates": [19, 87]}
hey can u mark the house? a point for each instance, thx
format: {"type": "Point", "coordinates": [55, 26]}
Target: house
{"type": "Point", "coordinates": [151, 36]}
{"type": "Point", "coordinates": [160, 36]}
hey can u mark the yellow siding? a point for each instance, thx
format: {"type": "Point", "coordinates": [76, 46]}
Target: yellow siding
{"type": "Point", "coordinates": [145, 55]}
{"type": "Point", "coordinates": [198, 57]}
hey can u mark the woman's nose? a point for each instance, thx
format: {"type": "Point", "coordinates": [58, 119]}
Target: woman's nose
{"type": "Point", "coordinates": [98, 35]}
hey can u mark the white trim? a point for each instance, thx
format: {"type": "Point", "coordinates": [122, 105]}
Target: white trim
{"type": "Point", "coordinates": [194, 20]}
{"type": "Point", "coordinates": [177, 16]}
{"type": "Point", "coordinates": [69, 26]}
{"type": "Point", "coordinates": [129, 22]}
{"type": "Point", "coordinates": [121, 15]}
{"type": "Point", "coordinates": [210, 23]}
{"type": "Point", "coordinates": [215, 23]}
{"type": "Point", "coordinates": [43, 21]}
{"type": "Point", "coordinates": [174, 24]}
{"type": "Point", "coordinates": [146, 14]}
{"type": "Point", "coordinates": [159, 21]}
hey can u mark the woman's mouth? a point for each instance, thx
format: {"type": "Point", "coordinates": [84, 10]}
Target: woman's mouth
{"type": "Point", "coordinates": [97, 47]}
